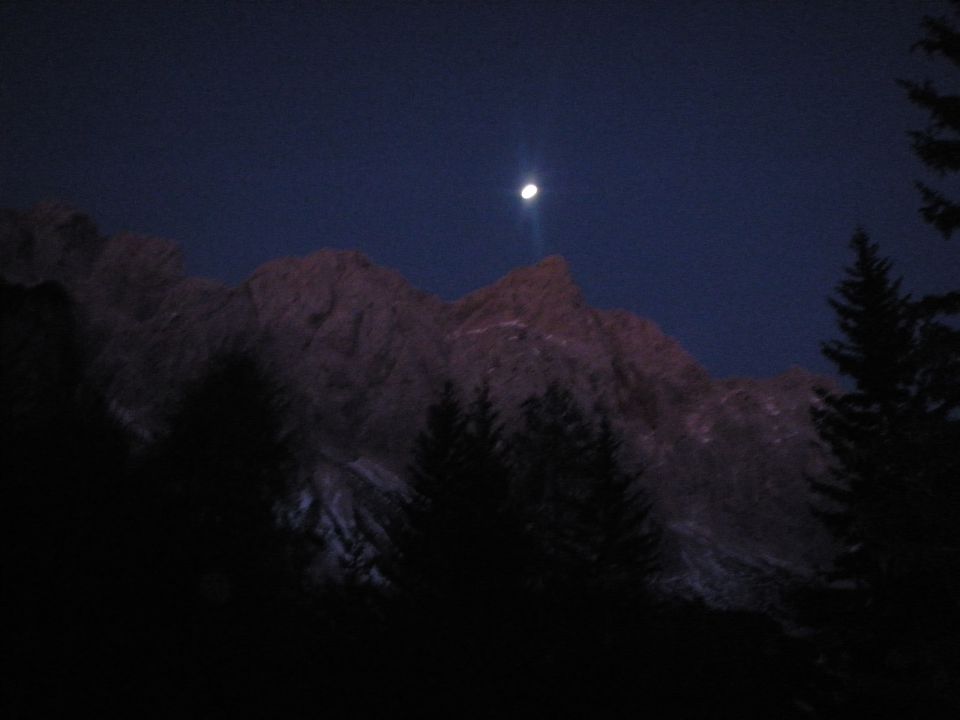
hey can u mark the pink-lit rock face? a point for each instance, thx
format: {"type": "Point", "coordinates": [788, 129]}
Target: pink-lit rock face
{"type": "Point", "coordinates": [361, 354]}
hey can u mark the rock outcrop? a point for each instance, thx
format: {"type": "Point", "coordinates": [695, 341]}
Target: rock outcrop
{"type": "Point", "coordinates": [362, 354]}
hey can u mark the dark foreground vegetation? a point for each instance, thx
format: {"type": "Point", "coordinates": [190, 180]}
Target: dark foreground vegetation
{"type": "Point", "coordinates": [152, 577]}
{"type": "Point", "coordinates": [155, 576]}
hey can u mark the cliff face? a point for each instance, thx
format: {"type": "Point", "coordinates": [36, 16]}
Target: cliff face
{"type": "Point", "coordinates": [362, 354]}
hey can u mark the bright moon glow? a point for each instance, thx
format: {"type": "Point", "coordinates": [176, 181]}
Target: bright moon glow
{"type": "Point", "coordinates": [529, 191]}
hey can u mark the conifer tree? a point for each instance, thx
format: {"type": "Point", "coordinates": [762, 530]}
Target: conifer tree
{"type": "Point", "coordinates": [890, 499]}
{"type": "Point", "coordinates": [220, 580]}
{"type": "Point", "coordinates": [552, 457]}
{"type": "Point", "coordinates": [484, 449]}
{"type": "Point", "coordinates": [225, 463]}
{"type": "Point", "coordinates": [938, 336]}
{"type": "Point", "coordinates": [893, 498]}
{"type": "Point", "coordinates": [458, 568]}
{"type": "Point", "coordinates": [867, 429]}
{"type": "Point", "coordinates": [433, 544]}
{"type": "Point", "coordinates": [589, 516]}
{"type": "Point", "coordinates": [461, 538]}
{"type": "Point", "coordinates": [938, 146]}
{"type": "Point", "coordinates": [552, 448]}
{"type": "Point", "coordinates": [64, 509]}
{"type": "Point", "coordinates": [497, 525]}
{"type": "Point", "coordinates": [625, 542]}
{"type": "Point", "coordinates": [438, 449]}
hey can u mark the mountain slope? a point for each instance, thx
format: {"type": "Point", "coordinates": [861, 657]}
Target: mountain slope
{"type": "Point", "coordinates": [362, 354]}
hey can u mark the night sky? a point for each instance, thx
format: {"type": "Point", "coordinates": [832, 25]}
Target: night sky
{"type": "Point", "coordinates": [702, 164]}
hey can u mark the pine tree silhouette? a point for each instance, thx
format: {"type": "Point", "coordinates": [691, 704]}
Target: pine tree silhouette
{"type": "Point", "coordinates": [552, 456]}
{"type": "Point", "coordinates": [625, 543]}
{"type": "Point", "coordinates": [864, 429]}
{"type": "Point", "coordinates": [591, 519]}
{"type": "Point", "coordinates": [888, 598]}
{"type": "Point", "coordinates": [938, 336]}
{"type": "Point", "coordinates": [66, 504]}
{"type": "Point", "coordinates": [938, 146]}
{"type": "Point", "coordinates": [223, 590]}
{"type": "Point", "coordinates": [439, 534]}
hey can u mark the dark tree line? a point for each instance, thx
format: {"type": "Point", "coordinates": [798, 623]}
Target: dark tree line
{"type": "Point", "coordinates": [526, 574]}
{"type": "Point", "coordinates": [140, 579]}
{"type": "Point", "coordinates": [226, 582]}
{"type": "Point", "coordinates": [548, 509]}
{"type": "Point", "coordinates": [156, 578]}
{"type": "Point", "coordinates": [889, 611]}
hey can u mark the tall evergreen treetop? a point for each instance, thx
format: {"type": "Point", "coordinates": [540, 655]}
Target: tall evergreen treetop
{"type": "Point", "coordinates": [866, 430]}
{"type": "Point", "coordinates": [485, 450]}
{"type": "Point", "coordinates": [877, 345]}
{"type": "Point", "coordinates": [626, 543]}
{"type": "Point", "coordinates": [892, 495]}
{"type": "Point", "coordinates": [438, 450]}
{"type": "Point", "coordinates": [552, 449]}
{"type": "Point", "coordinates": [588, 517]}
{"type": "Point", "coordinates": [216, 479]}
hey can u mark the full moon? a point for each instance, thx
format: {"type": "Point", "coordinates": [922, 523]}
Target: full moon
{"type": "Point", "coordinates": [529, 191]}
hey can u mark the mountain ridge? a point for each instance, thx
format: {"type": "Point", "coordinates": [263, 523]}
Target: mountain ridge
{"type": "Point", "coordinates": [362, 353]}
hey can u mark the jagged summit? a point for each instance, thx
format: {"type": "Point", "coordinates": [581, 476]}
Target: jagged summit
{"type": "Point", "coordinates": [551, 270]}
{"type": "Point", "coordinates": [551, 276]}
{"type": "Point", "coordinates": [544, 294]}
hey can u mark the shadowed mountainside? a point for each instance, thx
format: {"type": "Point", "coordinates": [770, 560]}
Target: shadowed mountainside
{"type": "Point", "coordinates": [362, 353]}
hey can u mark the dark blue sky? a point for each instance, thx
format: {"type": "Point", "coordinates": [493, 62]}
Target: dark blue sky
{"type": "Point", "coordinates": [702, 163]}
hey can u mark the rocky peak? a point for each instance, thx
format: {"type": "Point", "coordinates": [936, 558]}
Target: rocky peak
{"type": "Point", "coordinates": [551, 274]}
{"type": "Point", "coordinates": [309, 288]}
{"type": "Point", "coordinates": [543, 294]}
